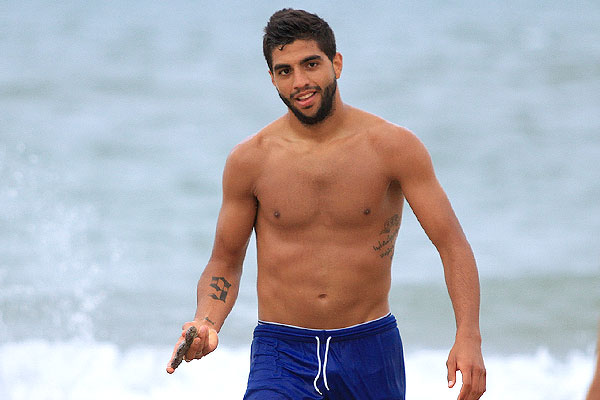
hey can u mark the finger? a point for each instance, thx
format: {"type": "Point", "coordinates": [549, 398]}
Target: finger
{"type": "Point", "coordinates": [451, 365]}
{"type": "Point", "coordinates": [170, 369]}
{"type": "Point", "coordinates": [211, 342]}
{"type": "Point", "coordinates": [475, 378]}
{"type": "Point", "coordinates": [195, 350]}
{"type": "Point", "coordinates": [466, 391]}
{"type": "Point", "coordinates": [479, 382]}
{"type": "Point", "coordinates": [197, 345]}
{"type": "Point", "coordinates": [484, 382]}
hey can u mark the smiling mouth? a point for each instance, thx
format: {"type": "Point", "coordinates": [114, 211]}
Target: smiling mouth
{"type": "Point", "coordinates": [306, 96]}
{"type": "Point", "coordinates": [305, 100]}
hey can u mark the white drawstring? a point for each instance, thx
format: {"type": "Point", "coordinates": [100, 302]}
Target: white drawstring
{"type": "Point", "coordinates": [324, 364]}
{"type": "Point", "coordinates": [319, 361]}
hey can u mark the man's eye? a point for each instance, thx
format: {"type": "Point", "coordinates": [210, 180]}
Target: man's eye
{"type": "Point", "coordinates": [284, 71]}
{"type": "Point", "coordinates": [312, 64]}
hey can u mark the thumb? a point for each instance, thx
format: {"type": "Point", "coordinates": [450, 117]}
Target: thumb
{"type": "Point", "coordinates": [211, 342]}
{"type": "Point", "coordinates": [451, 365]}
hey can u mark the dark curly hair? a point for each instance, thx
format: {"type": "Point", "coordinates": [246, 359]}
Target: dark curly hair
{"type": "Point", "coordinates": [287, 25]}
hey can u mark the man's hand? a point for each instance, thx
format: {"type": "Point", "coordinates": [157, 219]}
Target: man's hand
{"type": "Point", "coordinates": [205, 342]}
{"type": "Point", "coordinates": [466, 357]}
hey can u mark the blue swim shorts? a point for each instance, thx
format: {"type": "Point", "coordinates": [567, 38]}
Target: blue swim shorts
{"type": "Point", "coordinates": [361, 362]}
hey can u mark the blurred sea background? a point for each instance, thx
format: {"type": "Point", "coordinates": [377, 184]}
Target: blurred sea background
{"type": "Point", "coordinates": [115, 122]}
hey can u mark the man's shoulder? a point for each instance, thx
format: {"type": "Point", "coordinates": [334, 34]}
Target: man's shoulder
{"type": "Point", "coordinates": [252, 150]}
{"type": "Point", "coordinates": [382, 132]}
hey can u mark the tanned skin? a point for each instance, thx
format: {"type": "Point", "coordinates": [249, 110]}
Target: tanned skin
{"type": "Point", "coordinates": [325, 201]}
{"type": "Point", "coordinates": [594, 390]}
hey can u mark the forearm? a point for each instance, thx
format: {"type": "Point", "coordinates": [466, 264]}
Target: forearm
{"type": "Point", "coordinates": [216, 294]}
{"type": "Point", "coordinates": [462, 281]}
{"type": "Point", "coordinates": [594, 390]}
{"type": "Point", "coordinates": [465, 356]}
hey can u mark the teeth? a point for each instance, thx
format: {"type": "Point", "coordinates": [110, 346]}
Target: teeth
{"type": "Point", "coordinates": [306, 96]}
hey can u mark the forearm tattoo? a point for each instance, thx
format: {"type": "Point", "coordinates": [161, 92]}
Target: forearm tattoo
{"type": "Point", "coordinates": [385, 246]}
{"type": "Point", "coordinates": [221, 287]}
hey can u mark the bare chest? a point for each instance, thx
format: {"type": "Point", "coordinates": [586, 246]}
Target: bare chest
{"type": "Point", "coordinates": [339, 187]}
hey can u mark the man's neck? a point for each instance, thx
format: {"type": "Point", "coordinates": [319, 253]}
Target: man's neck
{"type": "Point", "coordinates": [322, 131]}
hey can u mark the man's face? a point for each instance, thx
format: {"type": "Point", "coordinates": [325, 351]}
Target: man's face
{"type": "Point", "coordinates": [306, 79]}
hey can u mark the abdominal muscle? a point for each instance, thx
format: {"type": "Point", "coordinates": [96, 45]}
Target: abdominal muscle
{"type": "Point", "coordinates": [318, 284]}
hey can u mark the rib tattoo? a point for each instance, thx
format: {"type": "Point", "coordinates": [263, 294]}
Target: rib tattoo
{"type": "Point", "coordinates": [385, 246]}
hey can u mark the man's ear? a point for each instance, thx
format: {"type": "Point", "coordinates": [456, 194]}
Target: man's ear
{"type": "Point", "coordinates": [338, 63]}
{"type": "Point", "coordinates": [272, 77]}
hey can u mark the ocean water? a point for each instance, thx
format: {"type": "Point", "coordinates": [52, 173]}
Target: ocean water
{"type": "Point", "coordinates": [115, 122]}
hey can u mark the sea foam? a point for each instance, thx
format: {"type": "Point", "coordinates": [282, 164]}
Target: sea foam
{"type": "Point", "coordinates": [89, 370]}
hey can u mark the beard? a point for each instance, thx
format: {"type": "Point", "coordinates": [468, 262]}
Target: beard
{"type": "Point", "coordinates": [324, 109]}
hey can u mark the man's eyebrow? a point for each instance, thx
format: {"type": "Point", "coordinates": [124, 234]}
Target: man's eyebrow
{"type": "Point", "coordinates": [281, 66]}
{"type": "Point", "coordinates": [304, 61]}
{"type": "Point", "coordinates": [310, 58]}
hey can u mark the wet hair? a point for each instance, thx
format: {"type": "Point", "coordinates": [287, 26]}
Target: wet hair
{"type": "Point", "coordinates": [288, 25]}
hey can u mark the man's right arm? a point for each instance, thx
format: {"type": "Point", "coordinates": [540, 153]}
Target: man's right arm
{"type": "Point", "coordinates": [218, 285]}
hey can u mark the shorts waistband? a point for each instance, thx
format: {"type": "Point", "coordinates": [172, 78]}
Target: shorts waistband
{"type": "Point", "coordinates": [273, 329]}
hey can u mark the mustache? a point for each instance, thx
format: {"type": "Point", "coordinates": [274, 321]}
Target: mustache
{"type": "Point", "coordinates": [297, 92]}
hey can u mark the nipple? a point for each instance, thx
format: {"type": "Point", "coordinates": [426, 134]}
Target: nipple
{"type": "Point", "coordinates": [276, 214]}
{"type": "Point", "coordinates": [367, 211]}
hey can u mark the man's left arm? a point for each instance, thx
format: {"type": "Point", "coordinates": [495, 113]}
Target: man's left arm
{"type": "Point", "coordinates": [594, 389]}
{"type": "Point", "coordinates": [432, 208]}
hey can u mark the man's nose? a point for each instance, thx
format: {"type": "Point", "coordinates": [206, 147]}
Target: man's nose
{"type": "Point", "coordinates": [300, 79]}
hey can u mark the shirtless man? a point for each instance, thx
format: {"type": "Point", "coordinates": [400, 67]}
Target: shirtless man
{"type": "Point", "coordinates": [323, 188]}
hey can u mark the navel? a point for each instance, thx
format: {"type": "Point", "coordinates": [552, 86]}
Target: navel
{"type": "Point", "coordinates": [276, 214]}
{"type": "Point", "coordinates": [367, 211]}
